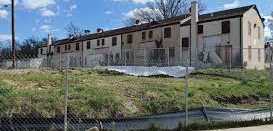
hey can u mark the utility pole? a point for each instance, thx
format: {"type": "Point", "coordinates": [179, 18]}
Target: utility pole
{"type": "Point", "coordinates": [13, 35]}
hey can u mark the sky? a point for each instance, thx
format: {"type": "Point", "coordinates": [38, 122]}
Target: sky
{"type": "Point", "coordinates": [36, 18]}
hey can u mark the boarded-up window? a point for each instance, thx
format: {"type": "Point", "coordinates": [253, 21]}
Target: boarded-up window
{"type": "Point", "coordinates": [77, 46]}
{"type": "Point", "coordinates": [200, 29]}
{"type": "Point", "coordinates": [114, 41]}
{"type": "Point", "coordinates": [151, 34]}
{"type": "Point", "coordinates": [129, 39]}
{"type": "Point", "coordinates": [225, 27]}
{"type": "Point", "coordinates": [249, 52]}
{"type": "Point", "coordinates": [249, 28]}
{"type": "Point", "coordinates": [98, 42]}
{"type": "Point", "coordinates": [185, 43]}
{"type": "Point", "coordinates": [168, 32]}
{"type": "Point", "coordinates": [88, 45]}
{"type": "Point", "coordinates": [143, 35]}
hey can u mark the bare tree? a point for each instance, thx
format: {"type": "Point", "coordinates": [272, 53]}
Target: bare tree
{"type": "Point", "coordinates": [73, 30]}
{"type": "Point", "coordinates": [162, 9]}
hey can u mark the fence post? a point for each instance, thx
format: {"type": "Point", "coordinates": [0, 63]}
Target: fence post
{"type": "Point", "coordinates": [66, 100]}
{"type": "Point", "coordinates": [186, 96]}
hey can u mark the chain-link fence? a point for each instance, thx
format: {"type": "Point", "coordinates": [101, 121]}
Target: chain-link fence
{"type": "Point", "coordinates": [66, 92]}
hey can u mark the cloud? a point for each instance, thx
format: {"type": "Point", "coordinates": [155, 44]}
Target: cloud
{"type": "Point", "coordinates": [267, 30]}
{"type": "Point", "coordinates": [36, 4]}
{"type": "Point", "coordinates": [108, 12]}
{"type": "Point", "coordinates": [70, 10]}
{"type": "Point", "coordinates": [47, 13]}
{"type": "Point", "coordinates": [6, 37]}
{"type": "Point", "coordinates": [47, 29]}
{"type": "Point", "coordinates": [134, 1]}
{"type": "Point", "coordinates": [234, 4]}
{"type": "Point", "coordinates": [5, 2]}
{"type": "Point", "coordinates": [132, 13]}
{"type": "Point", "coordinates": [3, 14]}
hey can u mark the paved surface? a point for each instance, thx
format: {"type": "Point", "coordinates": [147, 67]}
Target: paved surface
{"type": "Point", "coordinates": [258, 128]}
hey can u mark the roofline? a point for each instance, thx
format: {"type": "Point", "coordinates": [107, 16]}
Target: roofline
{"type": "Point", "coordinates": [83, 38]}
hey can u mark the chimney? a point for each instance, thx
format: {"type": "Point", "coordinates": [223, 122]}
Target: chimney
{"type": "Point", "coordinates": [49, 44]}
{"type": "Point", "coordinates": [194, 35]}
{"type": "Point", "coordinates": [49, 41]}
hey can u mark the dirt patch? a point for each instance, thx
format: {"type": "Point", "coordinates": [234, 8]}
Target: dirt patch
{"type": "Point", "coordinates": [237, 100]}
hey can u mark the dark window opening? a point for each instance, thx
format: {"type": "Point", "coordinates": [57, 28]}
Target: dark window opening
{"type": "Point", "coordinates": [185, 42]}
{"type": "Point", "coordinates": [69, 47]}
{"type": "Point", "coordinates": [200, 29]}
{"type": "Point", "coordinates": [41, 51]}
{"type": "Point", "coordinates": [168, 32]}
{"type": "Point", "coordinates": [77, 46]}
{"type": "Point", "coordinates": [143, 35]}
{"type": "Point", "coordinates": [114, 41]}
{"type": "Point", "coordinates": [58, 49]}
{"type": "Point", "coordinates": [151, 33]}
{"type": "Point", "coordinates": [225, 27]}
{"type": "Point", "coordinates": [88, 45]}
{"type": "Point", "coordinates": [129, 39]}
{"type": "Point", "coordinates": [98, 42]}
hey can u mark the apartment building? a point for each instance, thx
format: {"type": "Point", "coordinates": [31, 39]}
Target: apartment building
{"type": "Point", "coordinates": [233, 37]}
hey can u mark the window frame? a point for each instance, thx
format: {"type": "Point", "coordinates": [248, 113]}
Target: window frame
{"type": "Point", "coordinates": [167, 32]}
{"type": "Point", "coordinates": [88, 45]}
{"type": "Point", "coordinates": [114, 41]}
{"type": "Point", "coordinates": [187, 40]}
{"type": "Point", "coordinates": [129, 39]}
{"type": "Point", "coordinates": [200, 29]}
{"type": "Point", "coordinates": [225, 27]}
{"type": "Point", "coordinates": [151, 34]}
{"type": "Point", "coordinates": [143, 35]}
{"type": "Point", "coordinates": [77, 46]}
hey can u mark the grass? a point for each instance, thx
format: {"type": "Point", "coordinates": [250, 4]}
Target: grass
{"type": "Point", "coordinates": [101, 94]}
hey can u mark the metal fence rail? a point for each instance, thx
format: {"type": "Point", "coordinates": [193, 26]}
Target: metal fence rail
{"type": "Point", "coordinates": [64, 92]}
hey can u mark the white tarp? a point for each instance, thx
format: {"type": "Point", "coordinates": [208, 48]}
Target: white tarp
{"type": "Point", "coordinates": [174, 71]}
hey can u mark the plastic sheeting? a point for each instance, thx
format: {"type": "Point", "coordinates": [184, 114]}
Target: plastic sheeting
{"type": "Point", "coordinates": [174, 71]}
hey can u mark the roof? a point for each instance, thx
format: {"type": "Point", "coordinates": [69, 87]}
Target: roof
{"type": "Point", "coordinates": [224, 14]}
{"type": "Point", "coordinates": [236, 12]}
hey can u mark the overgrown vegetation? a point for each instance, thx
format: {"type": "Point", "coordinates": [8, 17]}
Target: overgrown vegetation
{"type": "Point", "coordinates": [99, 94]}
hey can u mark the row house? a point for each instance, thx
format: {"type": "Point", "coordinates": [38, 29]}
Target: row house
{"type": "Point", "coordinates": [233, 37]}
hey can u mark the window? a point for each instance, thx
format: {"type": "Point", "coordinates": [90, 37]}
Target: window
{"type": "Point", "coordinates": [129, 39]}
{"type": "Point", "coordinates": [114, 41]}
{"type": "Point", "coordinates": [259, 55]}
{"type": "Point", "coordinates": [249, 28]}
{"type": "Point", "coordinates": [225, 27]}
{"type": "Point", "coordinates": [185, 43]}
{"type": "Point", "coordinates": [249, 52]}
{"type": "Point", "coordinates": [65, 47]}
{"type": "Point", "coordinates": [151, 33]}
{"type": "Point", "coordinates": [168, 32]}
{"type": "Point", "coordinates": [172, 52]}
{"type": "Point", "coordinates": [102, 42]}
{"type": "Point", "coordinates": [200, 29]}
{"type": "Point", "coordinates": [69, 47]}
{"type": "Point", "coordinates": [77, 46]}
{"type": "Point", "coordinates": [41, 51]}
{"type": "Point", "coordinates": [98, 42]}
{"type": "Point", "coordinates": [58, 49]}
{"type": "Point", "coordinates": [259, 32]}
{"type": "Point", "coordinates": [143, 35]}
{"type": "Point", "coordinates": [88, 45]}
